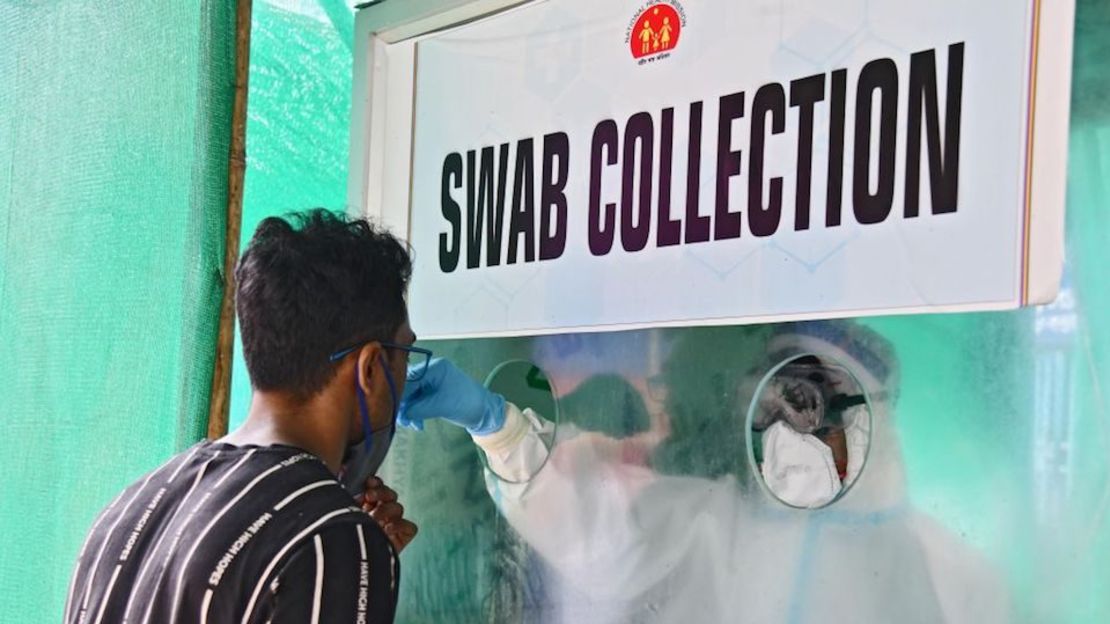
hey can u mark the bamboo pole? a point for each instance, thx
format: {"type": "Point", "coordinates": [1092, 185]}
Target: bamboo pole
{"type": "Point", "coordinates": [236, 169]}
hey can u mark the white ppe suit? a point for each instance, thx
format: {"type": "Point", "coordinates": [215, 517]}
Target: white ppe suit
{"type": "Point", "coordinates": [631, 545]}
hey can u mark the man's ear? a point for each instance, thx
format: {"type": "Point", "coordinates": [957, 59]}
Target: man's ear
{"type": "Point", "coordinates": [368, 357]}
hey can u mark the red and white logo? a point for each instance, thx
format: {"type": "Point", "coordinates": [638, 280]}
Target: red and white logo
{"type": "Point", "coordinates": [655, 31]}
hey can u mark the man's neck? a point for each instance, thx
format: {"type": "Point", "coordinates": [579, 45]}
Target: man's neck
{"type": "Point", "coordinates": [277, 418]}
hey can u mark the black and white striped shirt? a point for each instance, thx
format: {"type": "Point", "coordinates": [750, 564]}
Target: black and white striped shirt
{"type": "Point", "coordinates": [235, 534]}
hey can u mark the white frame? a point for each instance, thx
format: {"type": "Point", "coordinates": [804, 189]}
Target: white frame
{"type": "Point", "coordinates": [1052, 101]}
{"type": "Point", "coordinates": [384, 24]}
{"type": "Point", "coordinates": [381, 144]}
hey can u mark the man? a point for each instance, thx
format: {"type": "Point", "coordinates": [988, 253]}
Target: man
{"type": "Point", "coordinates": [255, 527]}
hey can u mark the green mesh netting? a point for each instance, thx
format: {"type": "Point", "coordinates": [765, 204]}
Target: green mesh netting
{"type": "Point", "coordinates": [300, 94]}
{"type": "Point", "coordinates": [114, 131]}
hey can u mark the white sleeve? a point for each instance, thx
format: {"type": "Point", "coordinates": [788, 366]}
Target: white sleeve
{"type": "Point", "coordinates": [517, 451]}
{"type": "Point", "coordinates": [575, 499]}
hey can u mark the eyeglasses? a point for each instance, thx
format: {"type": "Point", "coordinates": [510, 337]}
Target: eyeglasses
{"type": "Point", "coordinates": [416, 357]}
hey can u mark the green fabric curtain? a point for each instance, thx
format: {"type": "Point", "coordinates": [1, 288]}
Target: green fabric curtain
{"type": "Point", "coordinates": [114, 133]}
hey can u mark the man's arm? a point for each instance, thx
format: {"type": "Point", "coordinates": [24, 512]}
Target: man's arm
{"type": "Point", "coordinates": [343, 573]}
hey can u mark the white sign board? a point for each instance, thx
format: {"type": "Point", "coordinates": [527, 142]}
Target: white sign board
{"type": "Point", "coordinates": [580, 165]}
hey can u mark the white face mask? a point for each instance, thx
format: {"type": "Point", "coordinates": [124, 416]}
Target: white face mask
{"type": "Point", "coordinates": [798, 467]}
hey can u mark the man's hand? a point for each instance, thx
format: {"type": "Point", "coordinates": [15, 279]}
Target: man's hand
{"type": "Point", "coordinates": [380, 502]}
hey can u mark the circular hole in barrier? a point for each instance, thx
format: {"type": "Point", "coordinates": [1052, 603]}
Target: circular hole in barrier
{"type": "Point", "coordinates": [809, 429]}
{"type": "Point", "coordinates": [527, 386]}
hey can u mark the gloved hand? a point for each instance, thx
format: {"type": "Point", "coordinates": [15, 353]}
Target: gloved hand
{"type": "Point", "coordinates": [448, 393]}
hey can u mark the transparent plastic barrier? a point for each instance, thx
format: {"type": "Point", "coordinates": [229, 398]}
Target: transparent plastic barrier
{"type": "Point", "coordinates": [983, 498]}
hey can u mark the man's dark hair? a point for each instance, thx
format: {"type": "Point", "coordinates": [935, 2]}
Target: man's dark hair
{"type": "Point", "coordinates": [310, 284]}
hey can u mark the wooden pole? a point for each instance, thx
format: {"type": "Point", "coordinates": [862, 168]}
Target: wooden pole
{"type": "Point", "coordinates": [236, 169]}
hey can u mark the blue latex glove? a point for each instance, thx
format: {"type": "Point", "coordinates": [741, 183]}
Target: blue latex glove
{"type": "Point", "coordinates": [448, 393]}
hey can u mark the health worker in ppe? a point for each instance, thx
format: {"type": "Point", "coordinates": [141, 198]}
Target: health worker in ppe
{"type": "Point", "coordinates": [813, 429]}
{"type": "Point", "coordinates": [818, 530]}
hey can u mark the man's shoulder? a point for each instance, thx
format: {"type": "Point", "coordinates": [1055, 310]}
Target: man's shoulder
{"type": "Point", "coordinates": [213, 489]}
{"type": "Point", "coordinates": [118, 505]}
{"type": "Point", "coordinates": [213, 519]}
{"type": "Point", "coordinates": [283, 486]}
